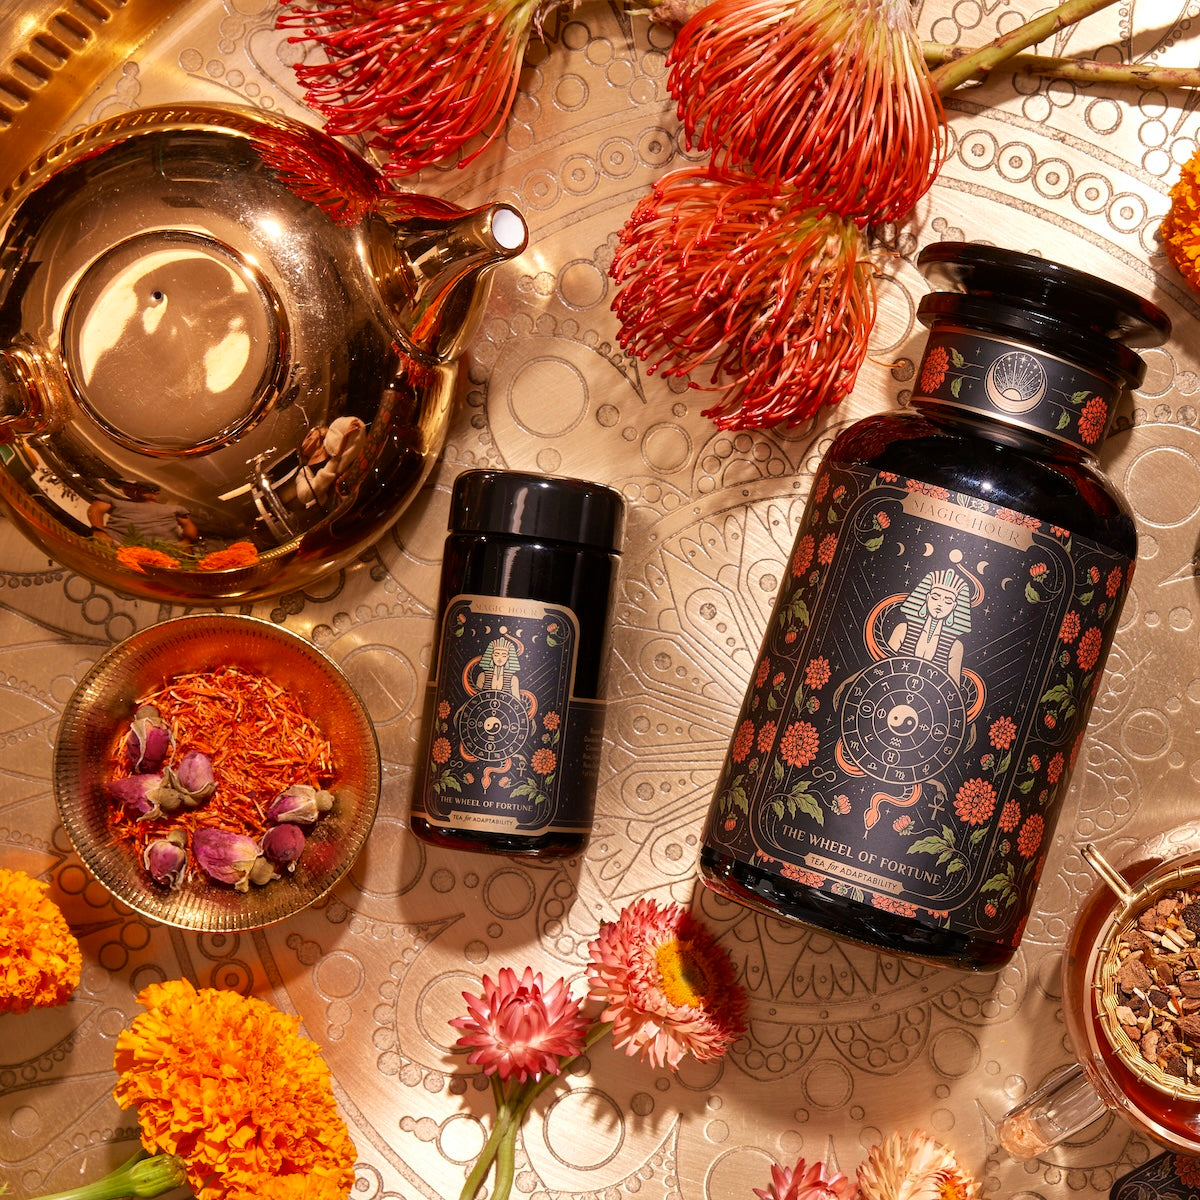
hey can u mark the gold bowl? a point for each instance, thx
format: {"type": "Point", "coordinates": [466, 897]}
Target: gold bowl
{"type": "Point", "coordinates": [100, 710]}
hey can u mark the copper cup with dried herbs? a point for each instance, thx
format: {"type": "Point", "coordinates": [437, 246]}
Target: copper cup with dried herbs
{"type": "Point", "coordinates": [216, 772]}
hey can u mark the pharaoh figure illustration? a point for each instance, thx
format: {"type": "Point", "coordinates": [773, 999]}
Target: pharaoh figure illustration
{"type": "Point", "coordinates": [495, 720]}
{"type": "Point", "coordinates": [905, 717]}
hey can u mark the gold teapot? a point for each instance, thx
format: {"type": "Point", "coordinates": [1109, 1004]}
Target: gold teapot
{"type": "Point", "coordinates": [227, 349]}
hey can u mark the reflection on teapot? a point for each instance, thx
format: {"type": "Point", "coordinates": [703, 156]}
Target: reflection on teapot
{"type": "Point", "coordinates": [227, 349]}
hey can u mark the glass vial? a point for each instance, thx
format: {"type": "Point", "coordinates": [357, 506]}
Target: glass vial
{"type": "Point", "coordinates": [925, 680]}
{"type": "Point", "coordinates": [514, 720]}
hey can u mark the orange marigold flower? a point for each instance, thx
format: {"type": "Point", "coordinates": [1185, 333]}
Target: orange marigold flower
{"type": "Point", "coordinates": [226, 1083]}
{"type": "Point", "coordinates": [742, 279]}
{"type": "Point", "coordinates": [1070, 627]}
{"type": "Point", "coordinates": [1181, 228]}
{"type": "Point", "coordinates": [834, 98]}
{"type": "Point", "coordinates": [40, 961]}
{"type": "Point", "coordinates": [440, 750]}
{"type": "Point", "coordinates": [237, 554]}
{"type": "Point", "coordinates": [543, 761]}
{"type": "Point", "coordinates": [138, 558]}
{"type": "Point", "coordinates": [550, 721]}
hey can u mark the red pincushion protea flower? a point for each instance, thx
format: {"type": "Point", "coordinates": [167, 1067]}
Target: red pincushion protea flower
{"type": "Point", "coordinates": [831, 95]}
{"type": "Point", "coordinates": [520, 1029]}
{"type": "Point", "coordinates": [775, 299]}
{"type": "Point", "coordinates": [667, 986]}
{"type": "Point", "coordinates": [421, 77]}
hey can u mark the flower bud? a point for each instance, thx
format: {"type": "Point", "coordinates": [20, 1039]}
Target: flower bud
{"type": "Point", "coordinates": [148, 741]}
{"type": "Point", "coordinates": [193, 778]}
{"type": "Point", "coordinates": [299, 805]}
{"type": "Point", "coordinates": [283, 845]}
{"type": "Point", "coordinates": [226, 857]}
{"type": "Point", "coordinates": [144, 796]}
{"type": "Point", "coordinates": [166, 858]}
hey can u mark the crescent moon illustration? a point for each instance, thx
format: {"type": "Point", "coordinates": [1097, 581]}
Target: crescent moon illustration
{"type": "Point", "coordinates": [980, 567]}
{"type": "Point", "coordinates": [899, 549]}
{"type": "Point", "coordinates": [928, 549]}
{"type": "Point", "coordinates": [1005, 582]}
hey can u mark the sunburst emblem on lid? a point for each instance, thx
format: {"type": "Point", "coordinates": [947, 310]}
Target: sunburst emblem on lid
{"type": "Point", "coordinates": [1015, 382]}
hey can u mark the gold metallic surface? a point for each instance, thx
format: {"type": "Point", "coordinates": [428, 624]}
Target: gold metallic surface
{"type": "Point", "coordinates": [54, 53]}
{"type": "Point", "coordinates": [845, 1045]}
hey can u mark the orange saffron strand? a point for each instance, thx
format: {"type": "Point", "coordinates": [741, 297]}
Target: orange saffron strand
{"type": "Point", "coordinates": [260, 742]}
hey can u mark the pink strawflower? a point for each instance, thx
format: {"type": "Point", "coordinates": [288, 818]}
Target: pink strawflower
{"type": "Point", "coordinates": [914, 1168]}
{"type": "Point", "coordinates": [520, 1029]}
{"type": "Point", "coordinates": [667, 986]}
{"type": "Point", "coordinates": [803, 1182]}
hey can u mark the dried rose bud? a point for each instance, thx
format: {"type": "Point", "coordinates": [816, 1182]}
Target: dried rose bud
{"type": "Point", "coordinates": [148, 741]}
{"type": "Point", "coordinates": [193, 778]}
{"type": "Point", "coordinates": [144, 796]}
{"type": "Point", "coordinates": [299, 805]}
{"type": "Point", "coordinates": [166, 858]}
{"type": "Point", "coordinates": [283, 845]}
{"type": "Point", "coordinates": [263, 871]}
{"type": "Point", "coordinates": [226, 857]}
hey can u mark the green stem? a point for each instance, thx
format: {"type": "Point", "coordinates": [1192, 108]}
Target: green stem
{"type": "Point", "coordinates": [500, 1147]}
{"type": "Point", "coordinates": [501, 1130]}
{"type": "Point", "coordinates": [140, 1176]}
{"type": "Point", "coordinates": [983, 59]}
{"type": "Point", "coordinates": [1081, 69]}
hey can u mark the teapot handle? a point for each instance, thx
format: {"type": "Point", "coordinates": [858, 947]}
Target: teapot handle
{"type": "Point", "coordinates": [1062, 1106]}
{"type": "Point", "coordinates": [21, 409]}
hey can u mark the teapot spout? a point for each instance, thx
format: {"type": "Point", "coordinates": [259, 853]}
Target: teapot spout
{"type": "Point", "coordinates": [437, 274]}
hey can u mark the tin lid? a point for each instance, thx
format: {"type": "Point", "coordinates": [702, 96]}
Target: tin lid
{"type": "Point", "coordinates": [1079, 304]}
{"type": "Point", "coordinates": [546, 507]}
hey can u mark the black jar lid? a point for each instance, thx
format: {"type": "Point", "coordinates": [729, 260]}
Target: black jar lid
{"type": "Point", "coordinates": [545, 507]}
{"type": "Point", "coordinates": [1084, 307]}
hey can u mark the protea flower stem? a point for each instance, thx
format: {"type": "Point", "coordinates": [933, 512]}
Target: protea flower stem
{"type": "Point", "coordinates": [949, 76]}
{"type": "Point", "coordinates": [1082, 70]}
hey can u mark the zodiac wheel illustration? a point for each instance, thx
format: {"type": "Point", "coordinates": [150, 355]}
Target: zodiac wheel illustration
{"type": "Point", "coordinates": [903, 720]}
{"type": "Point", "coordinates": [492, 725]}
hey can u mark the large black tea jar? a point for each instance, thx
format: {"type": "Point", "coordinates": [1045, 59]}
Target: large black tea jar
{"type": "Point", "coordinates": [925, 680]}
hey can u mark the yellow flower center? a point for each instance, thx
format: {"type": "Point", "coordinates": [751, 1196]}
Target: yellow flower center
{"type": "Point", "coordinates": [687, 976]}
